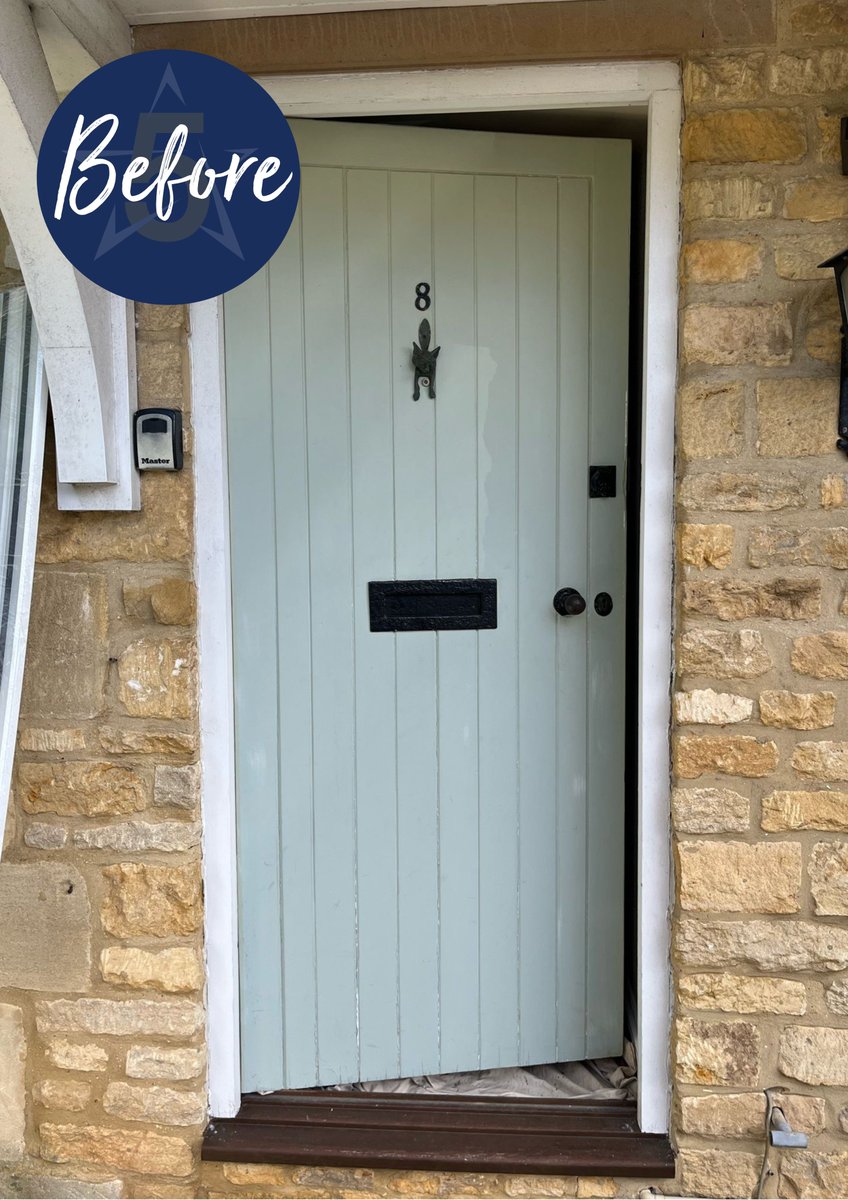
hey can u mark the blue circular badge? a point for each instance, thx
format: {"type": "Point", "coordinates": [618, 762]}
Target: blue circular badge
{"type": "Point", "coordinates": [168, 176]}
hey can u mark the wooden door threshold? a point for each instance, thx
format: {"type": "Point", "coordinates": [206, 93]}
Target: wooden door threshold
{"type": "Point", "coordinates": [456, 1133]}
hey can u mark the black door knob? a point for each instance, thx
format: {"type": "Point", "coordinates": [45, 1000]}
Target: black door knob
{"type": "Point", "coordinates": [569, 603]}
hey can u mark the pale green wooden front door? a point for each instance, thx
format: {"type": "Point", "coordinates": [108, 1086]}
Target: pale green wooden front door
{"type": "Point", "coordinates": [430, 824]}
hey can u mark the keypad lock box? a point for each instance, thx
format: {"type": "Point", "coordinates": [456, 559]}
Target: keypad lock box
{"type": "Point", "coordinates": [158, 439]}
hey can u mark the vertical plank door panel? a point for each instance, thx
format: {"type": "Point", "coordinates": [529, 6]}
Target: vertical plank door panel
{"type": "Point", "coordinates": [571, 636]}
{"type": "Point", "coordinates": [607, 556]}
{"type": "Point", "coordinates": [415, 542]}
{"type": "Point", "coordinates": [371, 431]}
{"type": "Point", "coordinates": [331, 580]}
{"type": "Point", "coordinates": [498, 679]}
{"type": "Point", "coordinates": [294, 658]}
{"type": "Point", "coordinates": [456, 510]}
{"type": "Point", "coordinates": [537, 328]}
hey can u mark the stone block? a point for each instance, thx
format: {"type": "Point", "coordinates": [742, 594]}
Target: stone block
{"type": "Point", "coordinates": [738, 655]}
{"type": "Point", "coordinates": [169, 601]}
{"type": "Point", "coordinates": [743, 1114]}
{"type": "Point", "coordinates": [160, 532]}
{"type": "Point", "coordinates": [704, 546]}
{"type": "Point", "coordinates": [745, 135]}
{"type": "Point", "coordinates": [739, 599]}
{"type": "Point", "coordinates": [827, 143]}
{"type": "Point", "coordinates": [256, 1175]}
{"type": "Point", "coordinates": [742, 492]}
{"type": "Point", "coordinates": [724, 78]}
{"type": "Point", "coordinates": [808, 73]}
{"type": "Point", "coordinates": [144, 742]}
{"type": "Point", "coordinates": [726, 335]}
{"type": "Point", "coordinates": [812, 1173]}
{"type": "Point", "coordinates": [148, 900]}
{"type": "Point", "coordinates": [159, 318]}
{"type": "Point", "coordinates": [786, 811]}
{"type": "Point", "coordinates": [51, 741]}
{"type": "Point", "coordinates": [711, 419]}
{"type": "Point", "coordinates": [779, 546]}
{"type": "Point", "coordinates": [819, 199]}
{"type": "Point", "coordinates": [836, 997]}
{"type": "Point", "coordinates": [530, 1186]}
{"type": "Point", "coordinates": [596, 1186]}
{"type": "Point", "coordinates": [704, 706]}
{"type": "Point", "coordinates": [798, 710]}
{"type": "Point", "coordinates": [797, 257]}
{"type": "Point", "coordinates": [67, 659]}
{"type": "Point", "coordinates": [828, 872]}
{"type": "Point", "coordinates": [820, 323]}
{"type": "Point", "coordinates": [138, 1150]}
{"type": "Point", "coordinates": [155, 1104]}
{"type": "Point", "coordinates": [155, 679]}
{"type": "Point", "coordinates": [735, 198]}
{"type": "Point", "coordinates": [24, 1185]}
{"type": "Point", "coordinates": [81, 789]}
{"type": "Point", "coordinates": [709, 810]}
{"type": "Point", "coordinates": [827, 761]}
{"type": "Point", "coordinates": [165, 1062]}
{"type": "Point", "coordinates": [44, 928]}
{"type": "Point", "coordinates": [75, 1056]}
{"type": "Point", "coordinates": [719, 1173]}
{"type": "Point", "coordinates": [177, 969]}
{"type": "Point", "coordinates": [739, 877]}
{"type": "Point", "coordinates": [41, 836]}
{"type": "Point", "coordinates": [70, 1095]}
{"type": "Point", "coordinates": [721, 260]}
{"type": "Point", "coordinates": [743, 994]}
{"type": "Point", "coordinates": [12, 1083]}
{"type": "Point", "coordinates": [817, 20]}
{"type": "Point", "coordinates": [795, 417]}
{"type": "Point", "coordinates": [161, 372]}
{"type": "Point", "coordinates": [834, 491]}
{"type": "Point", "coordinates": [717, 1053]}
{"type": "Point", "coordinates": [177, 787]}
{"type": "Point", "coordinates": [767, 945]}
{"type": "Point", "coordinates": [122, 1018]}
{"type": "Point", "coordinates": [132, 837]}
{"type": "Point", "coordinates": [739, 755]}
{"type": "Point", "coordinates": [822, 655]}
{"type": "Point", "coordinates": [814, 1055]}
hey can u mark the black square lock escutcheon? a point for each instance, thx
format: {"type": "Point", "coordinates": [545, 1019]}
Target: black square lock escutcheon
{"type": "Point", "coordinates": [601, 483]}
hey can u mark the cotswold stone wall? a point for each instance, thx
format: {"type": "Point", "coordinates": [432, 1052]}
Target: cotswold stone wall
{"type": "Point", "coordinates": [102, 1057]}
{"type": "Point", "coordinates": [760, 806]}
{"type": "Point", "coordinates": [101, 982]}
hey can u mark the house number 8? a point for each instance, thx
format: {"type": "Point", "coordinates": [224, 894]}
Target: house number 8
{"type": "Point", "coordinates": [422, 296]}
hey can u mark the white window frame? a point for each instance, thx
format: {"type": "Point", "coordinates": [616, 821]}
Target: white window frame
{"type": "Point", "coordinates": [34, 406]}
{"type": "Point", "coordinates": [651, 88]}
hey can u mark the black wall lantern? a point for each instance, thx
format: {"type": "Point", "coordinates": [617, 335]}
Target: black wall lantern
{"type": "Point", "coordinates": [839, 263]}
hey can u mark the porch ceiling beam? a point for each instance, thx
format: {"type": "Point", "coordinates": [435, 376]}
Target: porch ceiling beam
{"type": "Point", "coordinates": [85, 333]}
{"type": "Point", "coordinates": [98, 25]}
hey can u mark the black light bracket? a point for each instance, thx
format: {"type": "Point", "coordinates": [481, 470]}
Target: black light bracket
{"type": "Point", "coordinates": [838, 263]}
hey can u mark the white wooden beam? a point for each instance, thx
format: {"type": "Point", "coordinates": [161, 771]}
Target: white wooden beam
{"type": "Point", "coordinates": [85, 333]}
{"type": "Point", "coordinates": [142, 12]}
{"type": "Point", "coordinates": [98, 25]}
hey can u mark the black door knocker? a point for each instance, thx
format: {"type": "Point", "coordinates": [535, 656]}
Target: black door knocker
{"type": "Point", "coordinates": [424, 361]}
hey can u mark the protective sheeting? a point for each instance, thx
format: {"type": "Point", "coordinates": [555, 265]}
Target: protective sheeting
{"type": "Point", "coordinates": [596, 1079]}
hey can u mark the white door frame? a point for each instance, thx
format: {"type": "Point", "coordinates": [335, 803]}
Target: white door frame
{"type": "Point", "coordinates": [652, 88]}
